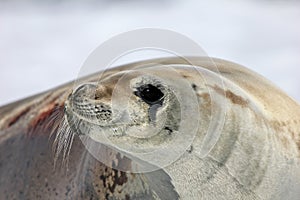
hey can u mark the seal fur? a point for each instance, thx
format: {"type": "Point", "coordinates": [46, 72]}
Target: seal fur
{"type": "Point", "coordinates": [256, 157]}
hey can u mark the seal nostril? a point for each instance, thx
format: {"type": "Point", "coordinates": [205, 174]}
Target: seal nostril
{"type": "Point", "coordinates": [84, 90]}
{"type": "Point", "coordinates": [97, 96]}
{"type": "Point", "coordinates": [102, 92]}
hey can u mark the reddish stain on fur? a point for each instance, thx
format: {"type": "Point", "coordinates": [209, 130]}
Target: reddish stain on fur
{"type": "Point", "coordinates": [235, 99]}
{"type": "Point", "coordinates": [19, 116]}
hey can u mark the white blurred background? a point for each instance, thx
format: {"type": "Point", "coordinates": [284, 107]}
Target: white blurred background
{"type": "Point", "coordinates": [43, 44]}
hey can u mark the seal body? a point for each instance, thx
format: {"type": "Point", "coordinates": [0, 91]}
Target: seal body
{"type": "Point", "coordinates": [256, 156]}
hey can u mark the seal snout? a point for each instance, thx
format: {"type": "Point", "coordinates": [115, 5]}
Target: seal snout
{"type": "Point", "coordinates": [92, 92]}
{"type": "Point", "coordinates": [91, 102]}
{"type": "Point", "coordinates": [84, 92]}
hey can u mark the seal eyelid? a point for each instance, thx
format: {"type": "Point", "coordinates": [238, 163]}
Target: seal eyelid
{"type": "Point", "coordinates": [150, 94]}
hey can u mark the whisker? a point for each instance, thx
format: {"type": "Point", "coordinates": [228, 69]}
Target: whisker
{"type": "Point", "coordinates": [55, 120]}
{"type": "Point", "coordinates": [63, 142]}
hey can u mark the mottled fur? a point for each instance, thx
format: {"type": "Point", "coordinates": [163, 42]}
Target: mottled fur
{"type": "Point", "coordinates": [256, 156]}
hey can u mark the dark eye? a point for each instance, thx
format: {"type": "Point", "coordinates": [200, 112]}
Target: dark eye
{"type": "Point", "coordinates": [150, 94]}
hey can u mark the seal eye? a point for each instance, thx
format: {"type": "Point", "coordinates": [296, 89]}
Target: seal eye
{"type": "Point", "coordinates": [150, 94]}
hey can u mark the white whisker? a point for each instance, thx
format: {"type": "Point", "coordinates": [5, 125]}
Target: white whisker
{"type": "Point", "coordinates": [63, 142]}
